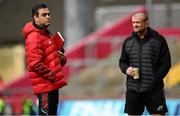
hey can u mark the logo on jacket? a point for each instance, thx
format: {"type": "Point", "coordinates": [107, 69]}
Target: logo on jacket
{"type": "Point", "coordinates": [50, 42]}
{"type": "Point", "coordinates": [160, 108]}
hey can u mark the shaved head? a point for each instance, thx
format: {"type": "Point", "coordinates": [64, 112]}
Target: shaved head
{"type": "Point", "coordinates": [142, 15]}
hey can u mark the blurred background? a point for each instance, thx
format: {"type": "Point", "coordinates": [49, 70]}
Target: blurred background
{"type": "Point", "coordinates": [93, 31]}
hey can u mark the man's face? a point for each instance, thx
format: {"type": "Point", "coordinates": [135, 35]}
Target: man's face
{"type": "Point", "coordinates": [43, 18]}
{"type": "Point", "coordinates": [139, 23]}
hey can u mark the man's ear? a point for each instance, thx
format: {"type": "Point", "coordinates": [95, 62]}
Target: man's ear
{"type": "Point", "coordinates": [35, 18]}
{"type": "Point", "coordinates": [147, 23]}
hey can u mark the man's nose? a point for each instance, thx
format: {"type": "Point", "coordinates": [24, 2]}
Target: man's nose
{"type": "Point", "coordinates": [47, 16]}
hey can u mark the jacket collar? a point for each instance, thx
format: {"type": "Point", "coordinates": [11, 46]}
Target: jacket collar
{"type": "Point", "coordinates": [146, 37]}
{"type": "Point", "coordinates": [41, 28]}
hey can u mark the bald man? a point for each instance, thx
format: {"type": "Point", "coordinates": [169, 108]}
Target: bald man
{"type": "Point", "coordinates": [145, 53]}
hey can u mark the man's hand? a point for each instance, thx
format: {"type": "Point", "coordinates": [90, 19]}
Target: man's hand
{"type": "Point", "coordinates": [63, 58]}
{"type": "Point", "coordinates": [130, 71]}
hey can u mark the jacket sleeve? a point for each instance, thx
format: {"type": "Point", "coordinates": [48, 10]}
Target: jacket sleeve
{"type": "Point", "coordinates": [164, 61]}
{"type": "Point", "coordinates": [35, 54]}
{"type": "Point", "coordinates": [123, 61]}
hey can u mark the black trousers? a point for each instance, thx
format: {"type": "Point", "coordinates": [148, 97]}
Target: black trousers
{"type": "Point", "coordinates": [48, 102]}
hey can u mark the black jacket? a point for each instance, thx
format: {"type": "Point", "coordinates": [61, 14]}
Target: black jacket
{"type": "Point", "coordinates": [151, 55]}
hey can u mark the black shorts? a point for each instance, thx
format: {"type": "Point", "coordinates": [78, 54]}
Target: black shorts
{"type": "Point", "coordinates": [154, 102]}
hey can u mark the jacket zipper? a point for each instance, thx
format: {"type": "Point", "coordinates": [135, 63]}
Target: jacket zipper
{"type": "Point", "coordinates": [140, 61]}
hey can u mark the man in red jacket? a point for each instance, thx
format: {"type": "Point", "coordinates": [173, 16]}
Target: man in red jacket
{"type": "Point", "coordinates": [44, 60]}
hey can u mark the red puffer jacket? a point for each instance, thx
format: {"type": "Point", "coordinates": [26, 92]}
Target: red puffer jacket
{"type": "Point", "coordinates": [43, 61]}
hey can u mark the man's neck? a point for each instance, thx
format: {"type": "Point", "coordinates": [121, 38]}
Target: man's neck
{"type": "Point", "coordinates": [142, 33]}
{"type": "Point", "coordinates": [38, 26]}
{"type": "Point", "coordinates": [42, 27]}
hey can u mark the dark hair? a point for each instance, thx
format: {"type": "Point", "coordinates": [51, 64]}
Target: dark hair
{"type": "Point", "coordinates": [36, 8]}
